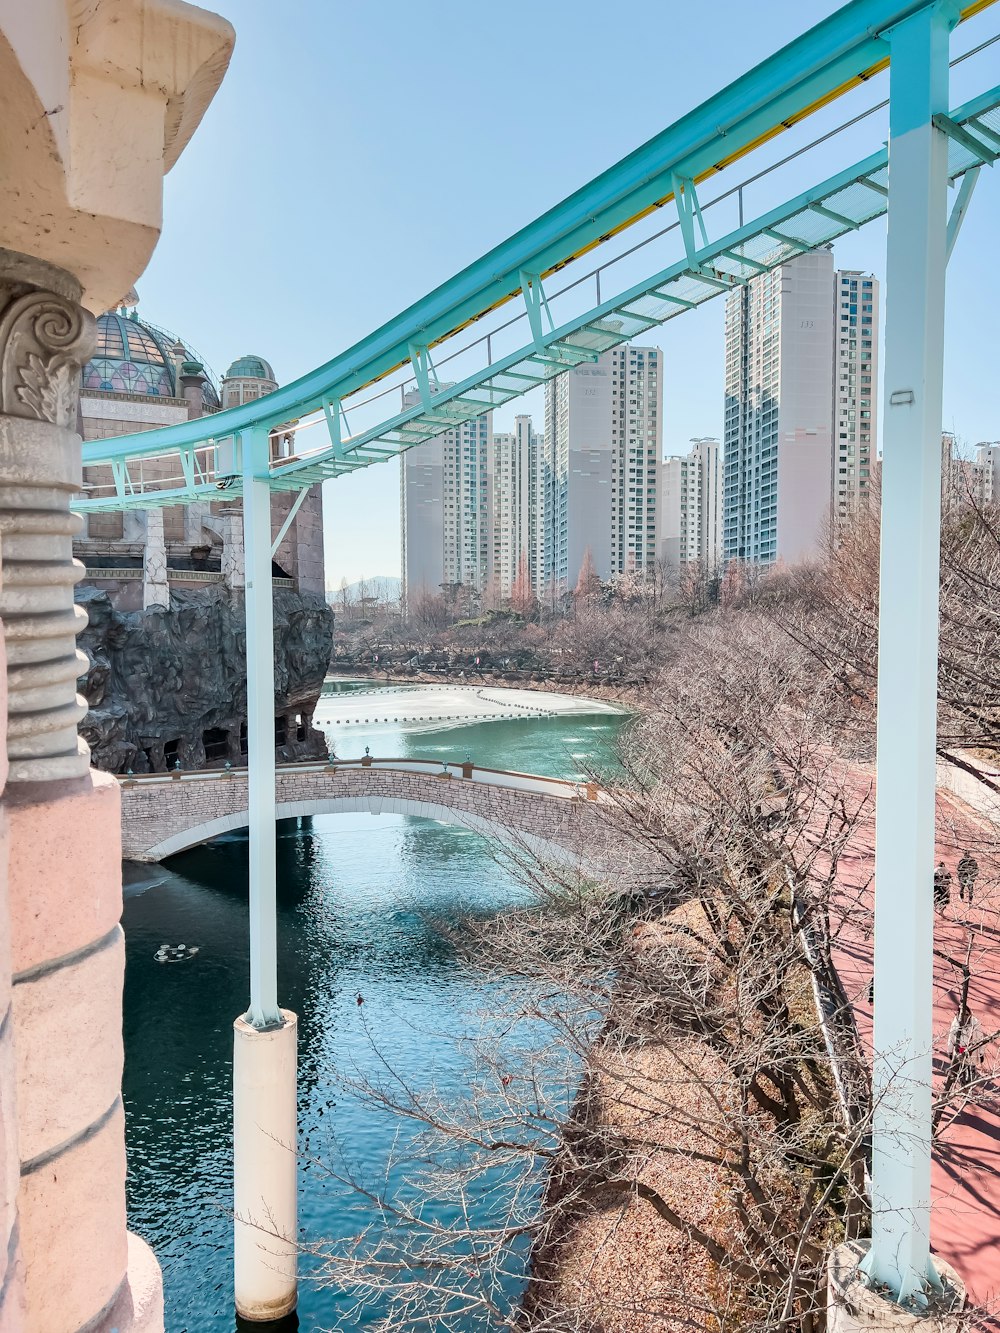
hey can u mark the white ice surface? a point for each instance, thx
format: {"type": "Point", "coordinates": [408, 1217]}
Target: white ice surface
{"type": "Point", "coordinates": [448, 703]}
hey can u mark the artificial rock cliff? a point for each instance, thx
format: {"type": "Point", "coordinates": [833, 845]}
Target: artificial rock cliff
{"type": "Point", "coordinates": [169, 686]}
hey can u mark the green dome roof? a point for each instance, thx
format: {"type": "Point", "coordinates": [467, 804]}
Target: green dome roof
{"type": "Point", "coordinates": [250, 368]}
{"type": "Point", "coordinates": [134, 357]}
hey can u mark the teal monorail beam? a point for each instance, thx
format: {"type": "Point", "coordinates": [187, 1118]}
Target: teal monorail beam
{"type": "Point", "coordinates": [837, 54]}
{"type": "Point", "coordinates": [846, 201]}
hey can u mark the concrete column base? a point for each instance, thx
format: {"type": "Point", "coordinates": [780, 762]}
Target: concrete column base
{"type": "Point", "coordinates": [852, 1306]}
{"type": "Point", "coordinates": [139, 1307]}
{"type": "Point", "coordinates": [265, 1200]}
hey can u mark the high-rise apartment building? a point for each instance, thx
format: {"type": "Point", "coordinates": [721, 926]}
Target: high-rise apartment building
{"type": "Point", "coordinates": [969, 480]}
{"type": "Point", "coordinates": [444, 493]}
{"type": "Point", "coordinates": [475, 504]}
{"type": "Point", "coordinates": [603, 434]}
{"type": "Point", "coordinates": [471, 507]}
{"type": "Point", "coordinates": [515, 504]}
{"type": "Point", "coordinates": [691, 508]}
{"type": "Point", "coordinates": [801, 371]}
{"type": "Point", "coordinates": [855, 390]}
{"type": "Point", "coordinates": [987, 470]}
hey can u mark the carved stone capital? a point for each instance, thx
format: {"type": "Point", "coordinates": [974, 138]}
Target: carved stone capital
{"type": "Point", "coordinates": [44, 340]}
{"type": "Point", "coordinates": [45, 336]}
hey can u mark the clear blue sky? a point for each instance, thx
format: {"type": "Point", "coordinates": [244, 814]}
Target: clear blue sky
{"type": "Point", "coordinates": [359, 154]}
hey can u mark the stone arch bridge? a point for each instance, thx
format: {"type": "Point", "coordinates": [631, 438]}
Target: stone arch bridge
{"type": "Point", "coordinates": [163, 814]}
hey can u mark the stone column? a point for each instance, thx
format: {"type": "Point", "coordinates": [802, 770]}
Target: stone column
{"type": "Point", "coordinates": [233, 563]}
{"type": "Point", "coordinates": [12, 1311]}
{"type": "Point", "coordinates": [45, 336]}
{"type": "Point", "coordinates": [155, 585]}
{"type": "Point", "coordinates": [77, 1266]}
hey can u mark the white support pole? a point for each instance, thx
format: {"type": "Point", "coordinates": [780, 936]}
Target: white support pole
{"type": "Point", "coordinates": [961, 206]}
{"type": "Point", "coordinates": [264, 1010]}
{"type": "Point", "coordinates": [908, 652]}
{"type": "Point", "coordinates": [264, 1053]}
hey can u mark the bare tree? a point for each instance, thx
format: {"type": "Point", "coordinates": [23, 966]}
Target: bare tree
{"type": "Point", "coordinates": [588, 583]}
{"type": "Point", "coordinates": [522, 595]}
{"type": "Point", "coordinates": [679, 994]}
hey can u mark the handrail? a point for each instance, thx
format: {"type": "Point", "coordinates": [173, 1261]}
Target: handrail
{"type": "Point", "coordinates": [331, 766]}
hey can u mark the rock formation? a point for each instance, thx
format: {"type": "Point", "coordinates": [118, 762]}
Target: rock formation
{"type": "Point", "coordinates": [168, 686]}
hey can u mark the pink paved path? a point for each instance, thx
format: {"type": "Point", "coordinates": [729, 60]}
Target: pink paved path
{"type": "Point", "coordinates": [965, 1225]}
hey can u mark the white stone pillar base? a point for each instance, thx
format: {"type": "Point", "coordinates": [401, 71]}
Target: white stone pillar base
{"type": "Point", "coordinates": [852, 1306]}
{"type": "Point", "coordinates": [139, 1307]}
{"type": "Point", "coordinates": [155, 584]}
{"type": "Point", "coordinates": [264, 1168]}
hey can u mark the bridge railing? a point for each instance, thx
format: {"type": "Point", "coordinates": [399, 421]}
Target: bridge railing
{"type": "Point", "coordinates": [444, 770]}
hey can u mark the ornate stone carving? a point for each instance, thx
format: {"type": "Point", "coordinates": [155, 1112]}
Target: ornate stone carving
{"type": "Point", "coordinates": [44, 340]}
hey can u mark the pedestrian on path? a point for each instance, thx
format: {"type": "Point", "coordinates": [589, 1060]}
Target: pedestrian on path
{"type": "Point", "coordinates": [942, 887]}
{"type": "Point", "coordinates": [965, 1038]}
{"type": "Point", "coordinates": [968, 870]}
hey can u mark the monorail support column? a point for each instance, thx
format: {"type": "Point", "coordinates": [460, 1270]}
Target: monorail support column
{"type": "Point", "coordinates": [264, 1048]}
{"type": "Point", "coordinates": [899, 1260]}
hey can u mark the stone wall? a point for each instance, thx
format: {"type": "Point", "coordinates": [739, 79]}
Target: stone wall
{"type": "Point", "coordinates": [164, 680]}
{"type": "Point", "coordinates": [300, 554]}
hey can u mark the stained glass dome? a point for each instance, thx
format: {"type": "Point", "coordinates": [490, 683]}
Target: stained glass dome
{"type": "Point", "coordinates": [250, 368]}
{"type": "Point", "coordinates": [134, 357]}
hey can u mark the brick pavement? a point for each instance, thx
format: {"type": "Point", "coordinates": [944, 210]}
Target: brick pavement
{"type": "Point", "coordinates": [965, 1220]}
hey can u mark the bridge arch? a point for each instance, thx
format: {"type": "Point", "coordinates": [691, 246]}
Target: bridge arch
{"type": "Point", "coordinates": [164, 815]}
{"type": "Point", "coordinates": [196, 835]}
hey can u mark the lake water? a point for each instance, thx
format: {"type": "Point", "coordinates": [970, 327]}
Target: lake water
{"type": "Point", "coordinates": [354, 896]}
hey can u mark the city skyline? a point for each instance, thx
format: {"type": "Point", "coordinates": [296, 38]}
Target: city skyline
{"type": "Point", "coordinates": [482, 509]}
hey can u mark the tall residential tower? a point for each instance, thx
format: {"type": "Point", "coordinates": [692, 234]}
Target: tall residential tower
{"type": "Point", "coordinates": [444, 487]}
{"type": "Point", "coordinates": [691, 508]}
{"type": "Point", "coordinates": [801, 370]}
{"type": "Point", "coordinates": [515, 500]}
{"type": "Point", "coordinates": [603, 433]}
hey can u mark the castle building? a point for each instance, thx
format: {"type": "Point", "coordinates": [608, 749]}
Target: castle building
{"type": "Point", "coordinates": [247, 379]}
{"type": "Point", "coordinates": [140, 378]}
{"type": "Point", "coordinates": [187, 558]}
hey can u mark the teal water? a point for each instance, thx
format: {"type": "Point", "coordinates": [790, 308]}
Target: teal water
{"type": "Point", "coordinates": [355, 893]}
